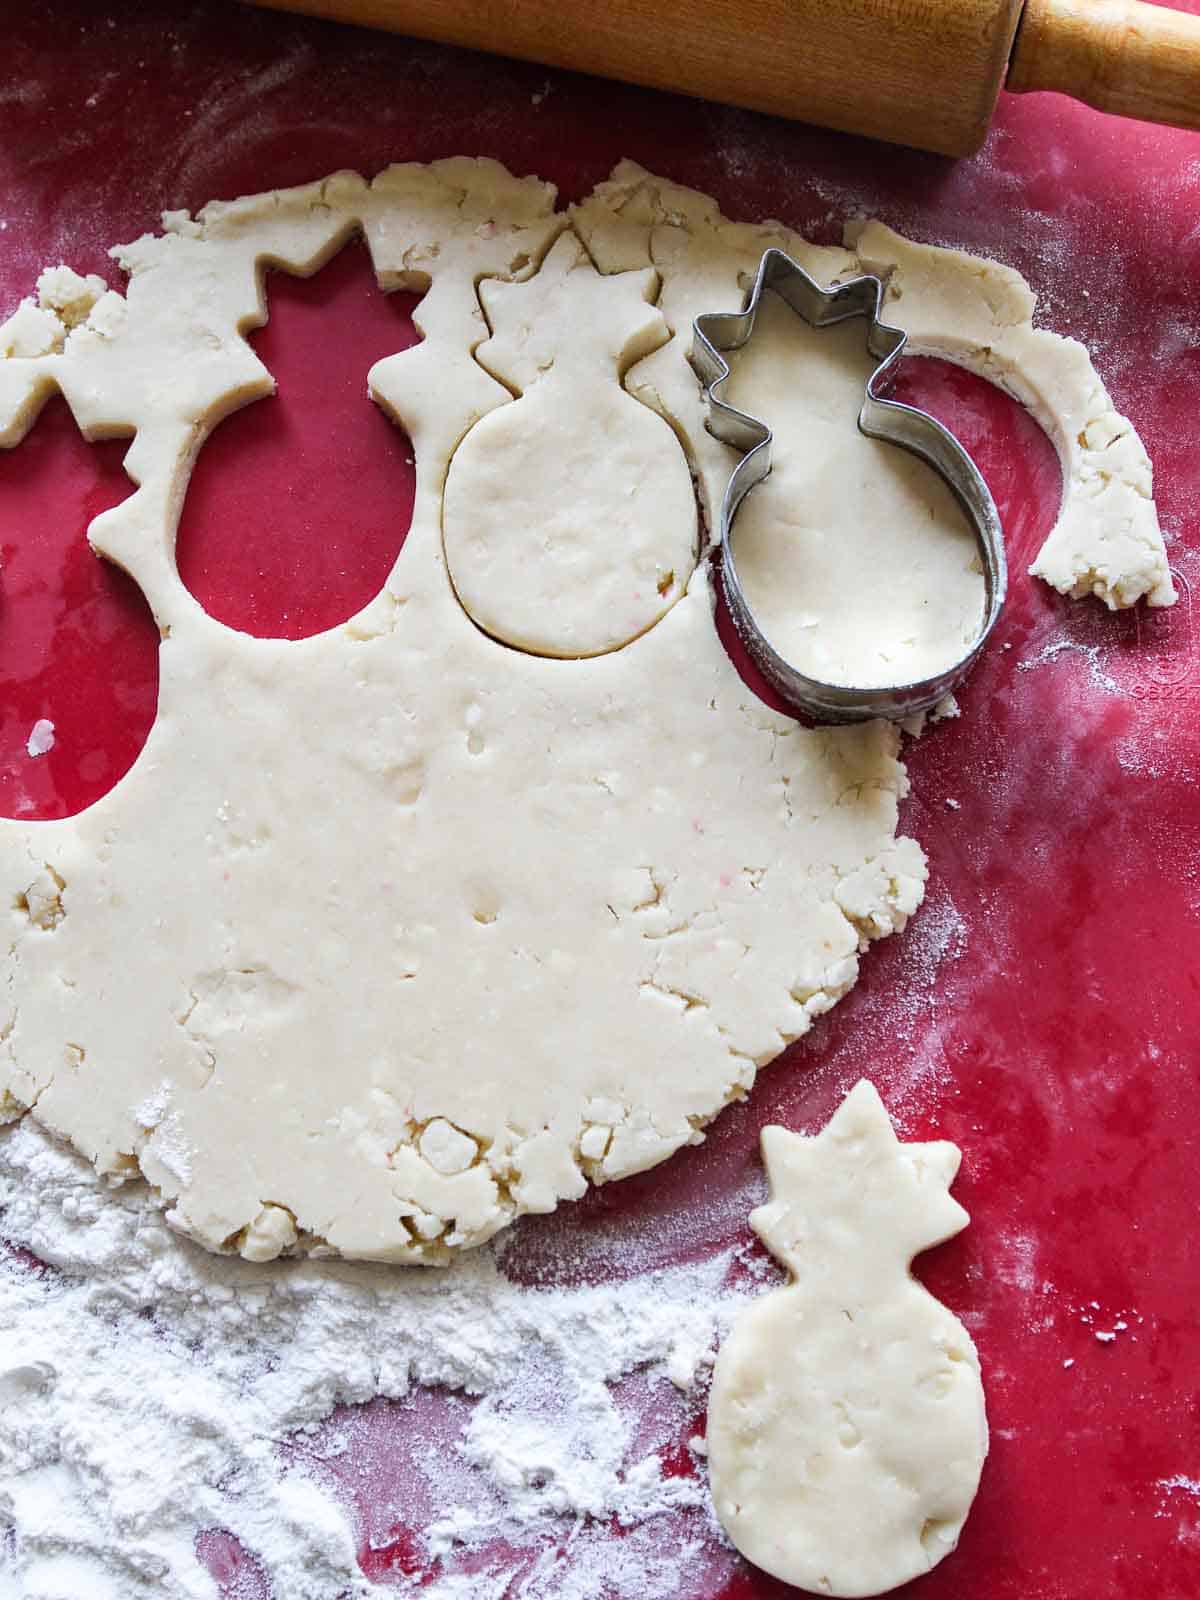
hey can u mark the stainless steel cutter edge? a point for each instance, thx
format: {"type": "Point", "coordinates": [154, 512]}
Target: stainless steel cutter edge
{"type": "Point", "coordinates": [881, 418]}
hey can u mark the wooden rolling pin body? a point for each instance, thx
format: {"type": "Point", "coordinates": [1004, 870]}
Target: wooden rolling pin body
{"type": "Point", "coordinates": [916, 72]}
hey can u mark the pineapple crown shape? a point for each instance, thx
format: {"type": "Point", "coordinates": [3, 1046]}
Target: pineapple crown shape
{"type": "Point", "coordinates": [568, 316]}
{"type": "Point", "coordinates": [855, 1192]}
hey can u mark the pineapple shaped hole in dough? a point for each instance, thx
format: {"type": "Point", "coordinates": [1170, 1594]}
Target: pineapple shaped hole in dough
{"type": "Point", "coordinates": [569, 517]}
{"type": "Point", "coordinates": [846, 1425]}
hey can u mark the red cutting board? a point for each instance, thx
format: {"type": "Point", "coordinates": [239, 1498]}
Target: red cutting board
{"type": "Point", "coordinates": [1042, 1009]}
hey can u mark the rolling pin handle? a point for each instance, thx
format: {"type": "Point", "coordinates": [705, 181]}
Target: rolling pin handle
{"type": "Point", "coordinates": [1121, 56]}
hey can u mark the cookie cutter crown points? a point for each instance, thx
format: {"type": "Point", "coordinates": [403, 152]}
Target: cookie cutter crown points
{"type": "Point", "coordinates": [880, 418]}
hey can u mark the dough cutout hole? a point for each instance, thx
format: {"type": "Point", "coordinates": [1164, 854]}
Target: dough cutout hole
{"type": "Point", "coordinates": [569, 517]}
{"type": "Point", "coordinates": [78, 643]}
{"type": "Point", "coordinates": [1013, 452]}
{"type": "Point", "coordinates": [298, 506]}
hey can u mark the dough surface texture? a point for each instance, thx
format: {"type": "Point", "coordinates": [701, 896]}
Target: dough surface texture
{"type": "Point", "coordinates": [561, 910]}
{"type": "Point", "coordinates": [846, 1425]}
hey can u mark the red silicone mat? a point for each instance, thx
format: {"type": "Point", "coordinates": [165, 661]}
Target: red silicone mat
{"type": "Point", "coordinates": [1041, 1010]}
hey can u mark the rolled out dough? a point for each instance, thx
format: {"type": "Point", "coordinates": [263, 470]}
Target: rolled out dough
{"type": "Point", "coordinates": [394, 933]}
{"type": "Point", "coordinates": [846, 1426]}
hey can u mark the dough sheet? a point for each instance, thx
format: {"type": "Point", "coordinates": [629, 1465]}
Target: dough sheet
{"type": "Point", "coordinates": [396, 932]}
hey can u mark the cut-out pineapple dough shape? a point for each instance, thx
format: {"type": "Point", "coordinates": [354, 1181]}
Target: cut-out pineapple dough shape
{"type": "Point", "coordinates": [569, 516]}
{"type": "Point", "coordinates": [846, 1427]}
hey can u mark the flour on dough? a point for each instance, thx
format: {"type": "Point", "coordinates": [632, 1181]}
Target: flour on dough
{"type": "Point", "coordinates": [846, 1426]}
{"type": "Point", "coordinates": [394, 933]}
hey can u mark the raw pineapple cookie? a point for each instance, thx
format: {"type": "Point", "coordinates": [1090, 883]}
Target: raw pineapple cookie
{"type": "Point", "coordinates": [846, 1429]}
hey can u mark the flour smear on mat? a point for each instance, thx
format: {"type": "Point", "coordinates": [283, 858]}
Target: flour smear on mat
{"type": "Point", "coordinates": [150, 1391]}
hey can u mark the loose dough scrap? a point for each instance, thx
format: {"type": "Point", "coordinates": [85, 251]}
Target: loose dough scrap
{"type": "Point", "coordinates": [565, 908]}
{"type": "Point", "coordinates": [846, 1425]}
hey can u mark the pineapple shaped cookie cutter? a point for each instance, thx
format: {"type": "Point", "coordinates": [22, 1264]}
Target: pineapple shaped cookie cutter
{"type": "Point", "coordinates": [569, 520]}
{"type": "Point", "coordinates": [914, 430]}
{"type": "Point", "coordinates": [846, 1425]}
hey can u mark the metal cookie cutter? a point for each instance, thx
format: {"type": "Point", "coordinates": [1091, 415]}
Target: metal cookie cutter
{"type": "Point", "coordinates": [880, 418]}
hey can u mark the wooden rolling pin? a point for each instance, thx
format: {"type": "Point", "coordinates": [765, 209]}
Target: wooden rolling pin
{"type": "Point", "coordinates": [916, 72]}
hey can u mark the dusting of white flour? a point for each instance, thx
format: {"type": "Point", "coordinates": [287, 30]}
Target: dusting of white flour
{"type": "Point", "coordinates": [148, 1392]}
{"type": "Point", "coordinates": [1182, 1483]}
{"type": "Point", "coordinates": [1092, 654]}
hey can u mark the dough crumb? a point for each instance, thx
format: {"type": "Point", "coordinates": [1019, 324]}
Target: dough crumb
{"type": "Point", "coordinates": [68, 295]}
{"type": "Point", "coordinates": [41, 738]}
{"type": "Point", "coordinates": [946, 707]}
{"type": "Point", "coordinates": [30, 332]}
{"type": "Point", "coordinates": [684, 1361]}
{"type": "Point", "coordinates": [271, 1233]}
